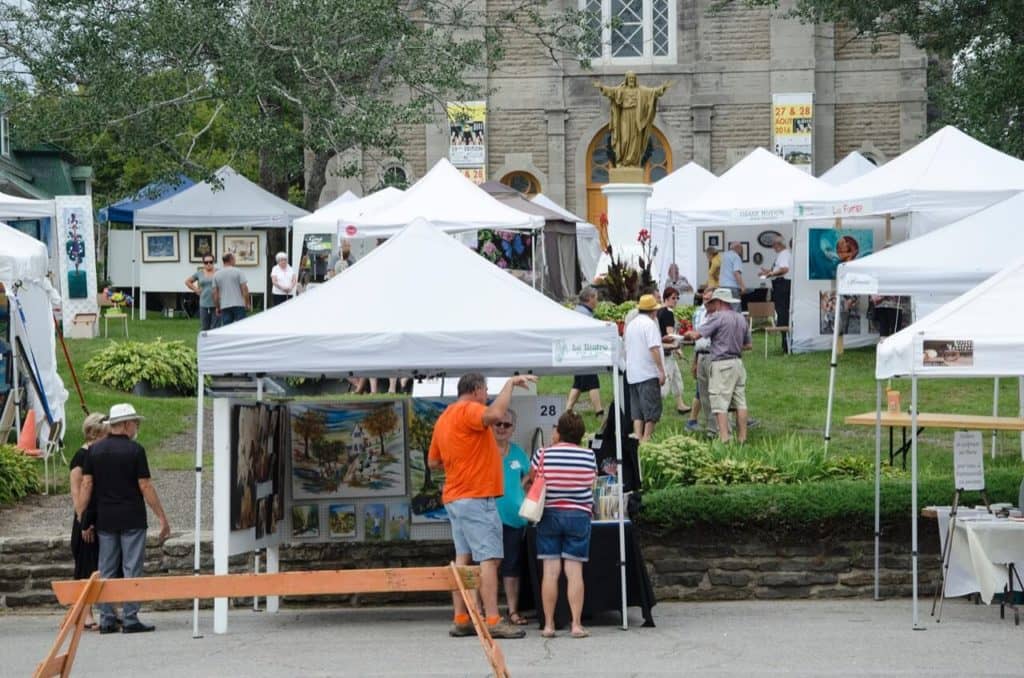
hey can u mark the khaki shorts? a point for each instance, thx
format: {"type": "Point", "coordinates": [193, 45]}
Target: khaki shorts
{"type": "Point", "coordinates": [728, 385]}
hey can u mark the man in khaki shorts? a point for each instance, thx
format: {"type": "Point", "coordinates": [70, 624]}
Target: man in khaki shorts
{"type": "Point", "coordinates": [729, 333]}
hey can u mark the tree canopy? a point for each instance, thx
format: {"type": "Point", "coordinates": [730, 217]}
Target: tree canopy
{"type": "Point", "coordinates": [157, 87]}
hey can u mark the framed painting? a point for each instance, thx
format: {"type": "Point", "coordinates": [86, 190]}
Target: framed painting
{"type": "Point", "coordinates": [201, 244]}
{"type": "Point", "coordinates": [714, 239]}
{"type": "Point", "coordinates": [160, 247]}
{"type": "Point", "coordinates": [245, 247]}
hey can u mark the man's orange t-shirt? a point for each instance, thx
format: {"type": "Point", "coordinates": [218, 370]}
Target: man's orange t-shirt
{"type": "Point", "coordinates": [469, 453]}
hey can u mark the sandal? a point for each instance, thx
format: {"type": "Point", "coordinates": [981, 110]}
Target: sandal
{"type": "Point", "coordinates": [517, 619]}
{"type": "Point", "coordinates": [90, 626]}
{"type": "Point", "coordinates": [582, 633]}
{"type": "Point", "coordinates": [548, 634]}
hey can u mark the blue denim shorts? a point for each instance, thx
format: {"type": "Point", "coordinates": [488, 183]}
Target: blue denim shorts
{"type": "Point", "coordinates": [564, 533]}
{"type": "Point", "coordinates": [476, 528]}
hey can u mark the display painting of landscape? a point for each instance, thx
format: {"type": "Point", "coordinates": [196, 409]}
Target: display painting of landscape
{"type": "Point", "coordinates": [398, 521]}
{"type": "Point", "coordinates": [348, 450]}
{"type": "Point", "coordinates": [425, 485]}
{"type": "Point", "coordinates": [305, 521]}
{"type": "Point", "coordinates": [373, 522]}
{"type": "Point", "coordinates": [341, 519]}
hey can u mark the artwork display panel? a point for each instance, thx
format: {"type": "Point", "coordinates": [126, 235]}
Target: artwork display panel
{"type": "Point", "coordinates": [425, 484]}
{"type": "Point", "coordinates": [347, 450]}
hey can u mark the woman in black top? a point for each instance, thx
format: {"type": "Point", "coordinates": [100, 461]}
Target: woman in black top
{"type": "Point", "coordinates": [84, 542]}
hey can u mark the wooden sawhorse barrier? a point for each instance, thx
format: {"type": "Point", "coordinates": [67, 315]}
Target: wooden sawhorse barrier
{"type": "Point", "coordinates": [82, 593]}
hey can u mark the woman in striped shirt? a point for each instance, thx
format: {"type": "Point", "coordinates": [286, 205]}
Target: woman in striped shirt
{"type": "Point", "coordinates": [563, 534]}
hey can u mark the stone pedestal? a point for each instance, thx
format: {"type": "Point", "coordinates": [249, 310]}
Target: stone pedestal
{"type": "Point", "coordinates": [627, 205]}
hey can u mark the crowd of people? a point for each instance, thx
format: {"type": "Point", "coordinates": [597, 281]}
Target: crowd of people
{"type": "Point", "coordinates": [110, 489]}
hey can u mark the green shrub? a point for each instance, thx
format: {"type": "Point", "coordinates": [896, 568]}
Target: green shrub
{"type": "Point", "coordinates": [733, 471]}
{"type": "Point", "coordinates": [161, 364]}
{"type": "Point", "coordinates": [18, 476]}
{"type": "Point", "coordinates": [606, 310]}
{"type": "Point", "coordinates": [673, 461]}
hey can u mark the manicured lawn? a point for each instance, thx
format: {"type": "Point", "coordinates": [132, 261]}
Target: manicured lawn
{"type": "Point", "coordinates": [786, 393]}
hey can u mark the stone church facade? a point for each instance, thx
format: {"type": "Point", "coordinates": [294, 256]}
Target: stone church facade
{"type": "Point", "coordinates": [546, 121]}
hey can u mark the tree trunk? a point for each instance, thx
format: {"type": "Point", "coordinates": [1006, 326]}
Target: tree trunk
{"type": "Point", "coordinates": [317, 178]}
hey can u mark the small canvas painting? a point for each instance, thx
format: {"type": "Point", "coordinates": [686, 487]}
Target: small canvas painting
{"type": "Point", "coordinates": [374, 516]}
{"type": "Point", "coordinates": [849, 314]}
{"type": "Point", "coordinates": [398, 521]}
{"type": "Point", "coordinates": [245, 434]}
{"type": "Point", "coordinates": [305, 521]}
{"type": "Point", "coordinates": [246, 249]}
{"type": "Point", "coordinates": [201, 244]}
{"type": "Point", "coordinates": [348, 450]}
{"type": "Point", "coordinates": [827, 248]}
{"type": "Point", "coordinates": [425, 484]}
{"type": "Point", "coordinates": [262, 509]}
{"type": "Point", "coordinates": [341, 518]}
{"type": "Point", "coordinates": [159, 246]}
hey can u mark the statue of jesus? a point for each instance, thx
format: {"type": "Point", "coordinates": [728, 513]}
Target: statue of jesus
{"type": "Point", "coordinates": [633, 107]}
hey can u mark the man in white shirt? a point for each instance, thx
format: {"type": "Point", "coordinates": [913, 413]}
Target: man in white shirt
{"type": "Point", "coordinates": [645, 368]}
{"type": "Point", "coordinates": [731, 276]}
{"type": "Point", "coordinates": [781, 279]}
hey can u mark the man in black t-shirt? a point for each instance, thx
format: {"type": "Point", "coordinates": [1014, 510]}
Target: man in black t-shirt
{"type": "Point", "coordinates": [667, 324]}
{"type": "Point", "coordinates": [117, 471]}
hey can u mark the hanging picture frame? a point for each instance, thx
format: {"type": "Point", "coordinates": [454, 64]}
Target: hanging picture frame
{"type": "Point", "coordinates": [202, 244]}
{"type": "Point", "coordinates": [768, 238]}
{"type": "Point", "coordinates": [160, 247]}
{"type": "Point", "coordinates": [714, 239]}
{"type": "Point", "coordinates": [245, 247]}
{"type": "Point", "coordinates": [758, 258]}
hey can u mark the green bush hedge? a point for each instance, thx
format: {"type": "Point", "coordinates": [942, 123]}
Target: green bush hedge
{"type": "Point", "coordinates": [159, 363]}
{"type": "Point", "coordinates": [18, 475]}
{"type": "Point", "coordinates": [802, 506]}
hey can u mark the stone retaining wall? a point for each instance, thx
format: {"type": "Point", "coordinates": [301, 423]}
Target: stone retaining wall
{"type": "Point", "coordinates": [688, 565]}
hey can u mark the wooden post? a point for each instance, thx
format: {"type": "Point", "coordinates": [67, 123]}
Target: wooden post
{"type": "Point", "coordinates": [74, 622]}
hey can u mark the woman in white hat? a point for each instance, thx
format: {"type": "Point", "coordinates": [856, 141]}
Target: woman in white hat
{"type": "Point", "coordinates": [283, 278]}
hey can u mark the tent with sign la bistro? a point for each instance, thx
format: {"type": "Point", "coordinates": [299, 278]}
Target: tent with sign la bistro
{"type": "Point", "coordinates": [971, 336]}
{"type": "Point", "coordinates": [468, 316]}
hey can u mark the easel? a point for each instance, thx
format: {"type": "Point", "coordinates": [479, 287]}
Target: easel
{"type": "Point", "coordinates": [82, 594]}
{"type": "Point", "coordinates": [940, 589]}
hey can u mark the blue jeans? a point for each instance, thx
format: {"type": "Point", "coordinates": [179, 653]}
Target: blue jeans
{"type": "Point", "coordinates": [208, 319]}
{"type": "Point", "coordinates": [231, 314]}
{"type": "Point", "coordinates": [564, 533]}
{"type": "Point", "coordinates": [125, 549]}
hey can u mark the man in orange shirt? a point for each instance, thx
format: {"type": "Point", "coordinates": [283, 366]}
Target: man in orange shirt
{"type": "Point", "coordinates": [464, 446]}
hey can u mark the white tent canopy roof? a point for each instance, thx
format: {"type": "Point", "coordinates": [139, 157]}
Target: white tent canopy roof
{"type": "Point", "coordinates": [982, 316]}
{"type": "Point", "coordinates": [472, 316]}
{"type": "Point", "coordinates": [236, 203]}
{"type": "Point", "coordinates": [948, 169]}
{"type": "Point", "coordinates": [449, 201]}
{"type": "Point", "coordinates": [22, 257]}
{"type": "Point", "coordinates": [680, 188]}
{"type": "Point", "coordinates": [550, 204]}
{"type": "Point", "coordinates": [345, 207]}
{"type": "Point", "coordinates": [760, 189]}
{"type": "Point", "coordinates": [849, 168]}
{"type": "Point", "coordinates": [945, 262]}
{"type": "Point", "coordinates": [12, 206]}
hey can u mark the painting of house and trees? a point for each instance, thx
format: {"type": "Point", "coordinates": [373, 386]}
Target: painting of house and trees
{"type": "Point", "coordinates": [348, 450]}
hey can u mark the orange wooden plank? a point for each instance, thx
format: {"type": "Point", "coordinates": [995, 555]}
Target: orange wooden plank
{"type": "Point", "coordinates": [321, 582]}
{"type": "Point", "coordinates": [936, 420]}
{"type": "Point", "coordinates": [54, 666]}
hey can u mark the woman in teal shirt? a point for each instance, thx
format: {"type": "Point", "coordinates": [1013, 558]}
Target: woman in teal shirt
{"type": "Point", "coordinates": [517, 468]}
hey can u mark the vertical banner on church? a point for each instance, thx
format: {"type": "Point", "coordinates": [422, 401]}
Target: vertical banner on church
{"type": "Point", "coordinates": [467, 145]}
{"type": "Point", "coordinates": [793, 129]}
{"type": "Point", "coordinates": [76, 254]}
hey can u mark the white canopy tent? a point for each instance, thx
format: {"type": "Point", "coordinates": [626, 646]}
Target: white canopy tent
{"type": "Point", "coordinates": [944, 178]}
{"type": "Point", "coordinates": [23, 266]}
{"type": "Point", "coordinates": [25, 208]}
{"type": "Point", "coordinates": [588, 241]}
{"type": "Point", "coordinates": [670, 195]}
{"type": "Point", "coordinates": [449, 201]}
{"type": "Point", "coordinates": [330, 217]}
{"type": "Point", "coordinates": [482, 320]}
{"type": "Point", "coordinates": [991, 342]}
{"type": "Point", "coordinates": [849, 168]}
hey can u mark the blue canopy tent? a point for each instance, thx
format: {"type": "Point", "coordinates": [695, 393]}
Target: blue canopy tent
{"type": "Point", "coordinates": [123, 211]}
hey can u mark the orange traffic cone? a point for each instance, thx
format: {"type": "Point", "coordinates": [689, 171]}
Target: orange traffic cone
{"type": "Point", "coordinates": [27, 438]}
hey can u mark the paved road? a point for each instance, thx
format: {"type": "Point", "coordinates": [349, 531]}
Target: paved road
{"type": "Point", "coordinates": [809, 638]}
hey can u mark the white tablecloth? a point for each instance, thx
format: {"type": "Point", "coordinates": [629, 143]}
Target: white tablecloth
{"type": "Point", "coordinates": [984, 546]}
{"type": "Point", "coordinates": [960, 580]}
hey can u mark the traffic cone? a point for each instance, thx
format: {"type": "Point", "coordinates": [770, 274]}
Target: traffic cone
{"type": "Point", "coordinates": [27, 438]}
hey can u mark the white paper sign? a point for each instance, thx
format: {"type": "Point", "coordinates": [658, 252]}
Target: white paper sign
{"type": "Point", "coordinates": [968, 461]}
{"type": "Point", "coordinates": [579, 352]}
{"type": "Point", "coordinates": [857, 283]}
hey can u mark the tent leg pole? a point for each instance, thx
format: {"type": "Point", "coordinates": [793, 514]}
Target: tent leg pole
{"type": "Point", "coordinates": [878, 477]}
{"type": "Point", "coordinates": [617, 398]}
{"type": "Point", "coordinates": [832, 375]}
{"type": "Point", "coordinates": [15, 379]}
{"type": "Point", "coordinates": [1020, 410]}
{"type": "Point", "coordinates": [196, 560]}
{"type": "Point", "coordinates": [913, 493]}
{"type": "Point", "coordinates": [995, 412]}
{"type": "Point", "coordinates": [533, 257]}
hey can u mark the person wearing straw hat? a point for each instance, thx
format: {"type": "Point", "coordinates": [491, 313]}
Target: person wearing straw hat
{"type": "Point", "coordinates": [729, 333]}
{"type": "Point", "coordinates": [645, 367]}
{"type": "Point", "coordinates": [117, 471]}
